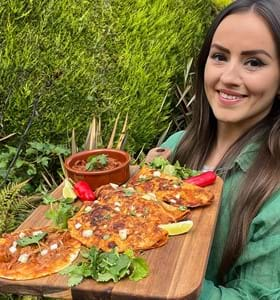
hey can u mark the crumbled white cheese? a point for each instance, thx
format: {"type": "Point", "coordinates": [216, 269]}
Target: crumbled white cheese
{"type": "Point", "coordinates": [139, 215]}
{"type": "Point", "coordinates": [12, 249]}
{"type": "Point", "coordinates": [117, 209]}
{"type": "Point", "coordinates": [37, 232]}
{"type": "Point", "coordinates": [143, 177]}
{"type": "Point", "coordinates": [123, 234]}
{"type": "Point", "coordinates": [21, 235]}
{"type": "Point", "coordinates": [156, 174]}
{"type": "Point", "coordinates": [96, 201]}
{"type": "Point", "coordinates": [44, 252]}
{"type": "Point", "coordinates": [14, 243]}
{"type": "Point", "coordinates": [172, 201]}
{"type": "Point", "coordinates": [114, 186]}
{"type": "Point", "coordinates": [88, 209]}
{"type": "Point", "coordinates": [78, 225]}
{"type": "Point", "coordinates": [149, 196]}
{"type": "Point", "coordinates": [117, 203]}
{"type": "Point", "coordinates": [87, 233]}
{"type": "Point", "coordinates": [178, 196]}
{"type": "Point", "coordinates": [53, 246]}
{"type": "Point", "coordinates": [106, 237]}
{"type": "Point", "coordinates": [175, 186]}
{"type": "Point", "coordinates": [23, 258]}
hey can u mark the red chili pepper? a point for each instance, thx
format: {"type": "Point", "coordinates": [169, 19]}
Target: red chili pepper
{"type": "Point", "coordinates": [84, 191]}
{"type": "Point", "coordinates": [203, 179]}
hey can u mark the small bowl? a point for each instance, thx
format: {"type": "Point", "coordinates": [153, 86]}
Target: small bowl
{"type": "Point", "coordinates": [118, 175]}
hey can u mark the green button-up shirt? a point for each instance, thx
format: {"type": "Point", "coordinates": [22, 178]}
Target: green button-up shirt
{"type": "Point", "coordinates": [256, 273]}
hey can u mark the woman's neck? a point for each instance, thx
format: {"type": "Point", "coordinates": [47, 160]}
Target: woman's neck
{"type": "Point", "coordinates": [226, 137]}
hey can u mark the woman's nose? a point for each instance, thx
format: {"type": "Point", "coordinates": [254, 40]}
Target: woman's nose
{"type": "Point", "coordinates": [231, 74]}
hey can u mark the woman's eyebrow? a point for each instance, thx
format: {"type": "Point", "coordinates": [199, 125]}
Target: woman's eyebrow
{"type": "Point", "coordinates": [219, 47]}
{"type": "Point", "coordinates": [247, 52]}
{"type": "Point", "coordinates": [255, 52]}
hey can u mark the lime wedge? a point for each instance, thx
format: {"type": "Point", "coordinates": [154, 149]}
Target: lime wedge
{"type": "Point", "coordinates": [177, 228]}
{"type": "Point", "coordinates": [67, 191]}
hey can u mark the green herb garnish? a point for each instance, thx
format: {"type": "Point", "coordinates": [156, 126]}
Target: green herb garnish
{"type": "Point", "coordinates": [177, 170]}
{"type": "Point", "coordinates": [29, 240]}
{"type": "Point", "coordinates": [107, 266]}
{"type": "Point", "coordinates": [96, 162]}
{"type": "Point", "coordinates": [60, 210]}
{"type": "Point", "coordinates": [182, 207]}
{"type": "Point", "coordinates": [128, 191]}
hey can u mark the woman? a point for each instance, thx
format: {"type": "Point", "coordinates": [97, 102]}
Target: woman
{"type": "Point", "coordinates": [236, 131]}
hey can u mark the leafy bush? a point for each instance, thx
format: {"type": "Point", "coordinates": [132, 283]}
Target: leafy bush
{"type": "Point", "coordinates": [14, 206]}
{"type": "Point", "coordinates": [95, 57]}
{"type": "Point", "coordinates": [221, 3]}
{"type": "Point", "coordinates": [37, 161]}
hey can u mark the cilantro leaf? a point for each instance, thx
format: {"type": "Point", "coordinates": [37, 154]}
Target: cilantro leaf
{"type": "Point", "coordinates": [28, 240]}
{"type": "Point", "coordinates": [159, 162]}
{"type": "Point", "coordinates": [177, 170]}
{"type": "Point", "coordinates": [75, 280]}
{"type": "Point", "coordinates": [60, 213]}
{"type": "Point", "coordinates": [128, 191]}
{"type": "Point", "coordinates": [107, 266]}
{"type": "Point", "coordinates": [48, 199]}
{"type": "Point", "coordinates": [96, 162]}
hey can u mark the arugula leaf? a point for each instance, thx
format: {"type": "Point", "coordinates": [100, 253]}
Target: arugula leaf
{"type": "Point", "coordinates": [96, 162]}
{"type": "Point", "coordinates": [28, 240]}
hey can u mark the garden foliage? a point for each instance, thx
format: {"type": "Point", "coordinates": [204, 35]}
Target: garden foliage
{"type": "Point", "coordinates": [102, 57]}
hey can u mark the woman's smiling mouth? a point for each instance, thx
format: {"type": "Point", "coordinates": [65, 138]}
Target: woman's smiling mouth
{"type": "Point", "coordinates": [229, 97]}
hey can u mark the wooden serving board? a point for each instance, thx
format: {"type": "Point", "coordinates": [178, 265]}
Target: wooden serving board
{"type": "Point", "coordinates": [176, 269]}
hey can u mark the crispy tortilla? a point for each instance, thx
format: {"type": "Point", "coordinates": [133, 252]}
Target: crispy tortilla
{"type": "Point", "coordinates": [170, 189]}
{"type": "Point", "coordinates": [53, 253]}
{"type": "Point", "coordinates": [107, 227]}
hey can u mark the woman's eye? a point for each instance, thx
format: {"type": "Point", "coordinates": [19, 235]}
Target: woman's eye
{"type": "Point", "coordinates": [218, 57]}
{"type": "Point", "coordinates": [254, 63]}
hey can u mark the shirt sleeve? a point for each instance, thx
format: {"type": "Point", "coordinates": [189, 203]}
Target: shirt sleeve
{"type": "Point", "coordinates": [173, 141]}
{"type": "Point", "coordinates": [256, 274]}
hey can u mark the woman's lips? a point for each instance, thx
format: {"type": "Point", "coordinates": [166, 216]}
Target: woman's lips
{"type": "Point", "coordinates": [230, 98]}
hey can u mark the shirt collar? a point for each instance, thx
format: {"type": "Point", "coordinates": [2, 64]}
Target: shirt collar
{"type": "Point", "coordinates": [246, 156]}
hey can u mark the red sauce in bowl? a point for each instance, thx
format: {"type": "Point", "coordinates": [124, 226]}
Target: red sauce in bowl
{"type": "Point", "coordinates": [112, 163]}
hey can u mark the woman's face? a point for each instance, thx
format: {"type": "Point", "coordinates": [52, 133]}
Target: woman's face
{"type": "Point", "coordinates": [242, 72]}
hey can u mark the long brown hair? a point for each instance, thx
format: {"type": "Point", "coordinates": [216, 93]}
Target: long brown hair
{"type": "Point", "coordinates": [263, 177]}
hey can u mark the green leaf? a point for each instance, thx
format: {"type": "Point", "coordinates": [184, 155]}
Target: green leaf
{"type": "Point", "coordinates": [107, 266]}
{"type": "Point", "coordinates": [159, 162]}
{"type": "Point", "coordinates": [182, 207]}
{"type": "Point", "coordinates": [61, 211]}
{"type": "Point", "coordinates": [170, 170]}
{"type": "Point", "coordinates": [128, 191]}
{"type": "Point", "coordinates": [75, 280]}
{"type": "Point", "coordinates": [28, 240]}
{"type": "Point", "coordinates": [140, 269]}
{"type": "Point", "coordinates": [96, 162]}
{"type": "Point", "coordinates": [48, 199]}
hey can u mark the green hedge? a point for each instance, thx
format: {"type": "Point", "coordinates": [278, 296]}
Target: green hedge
{"type": "Point", "coordinates": [98, 57]}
